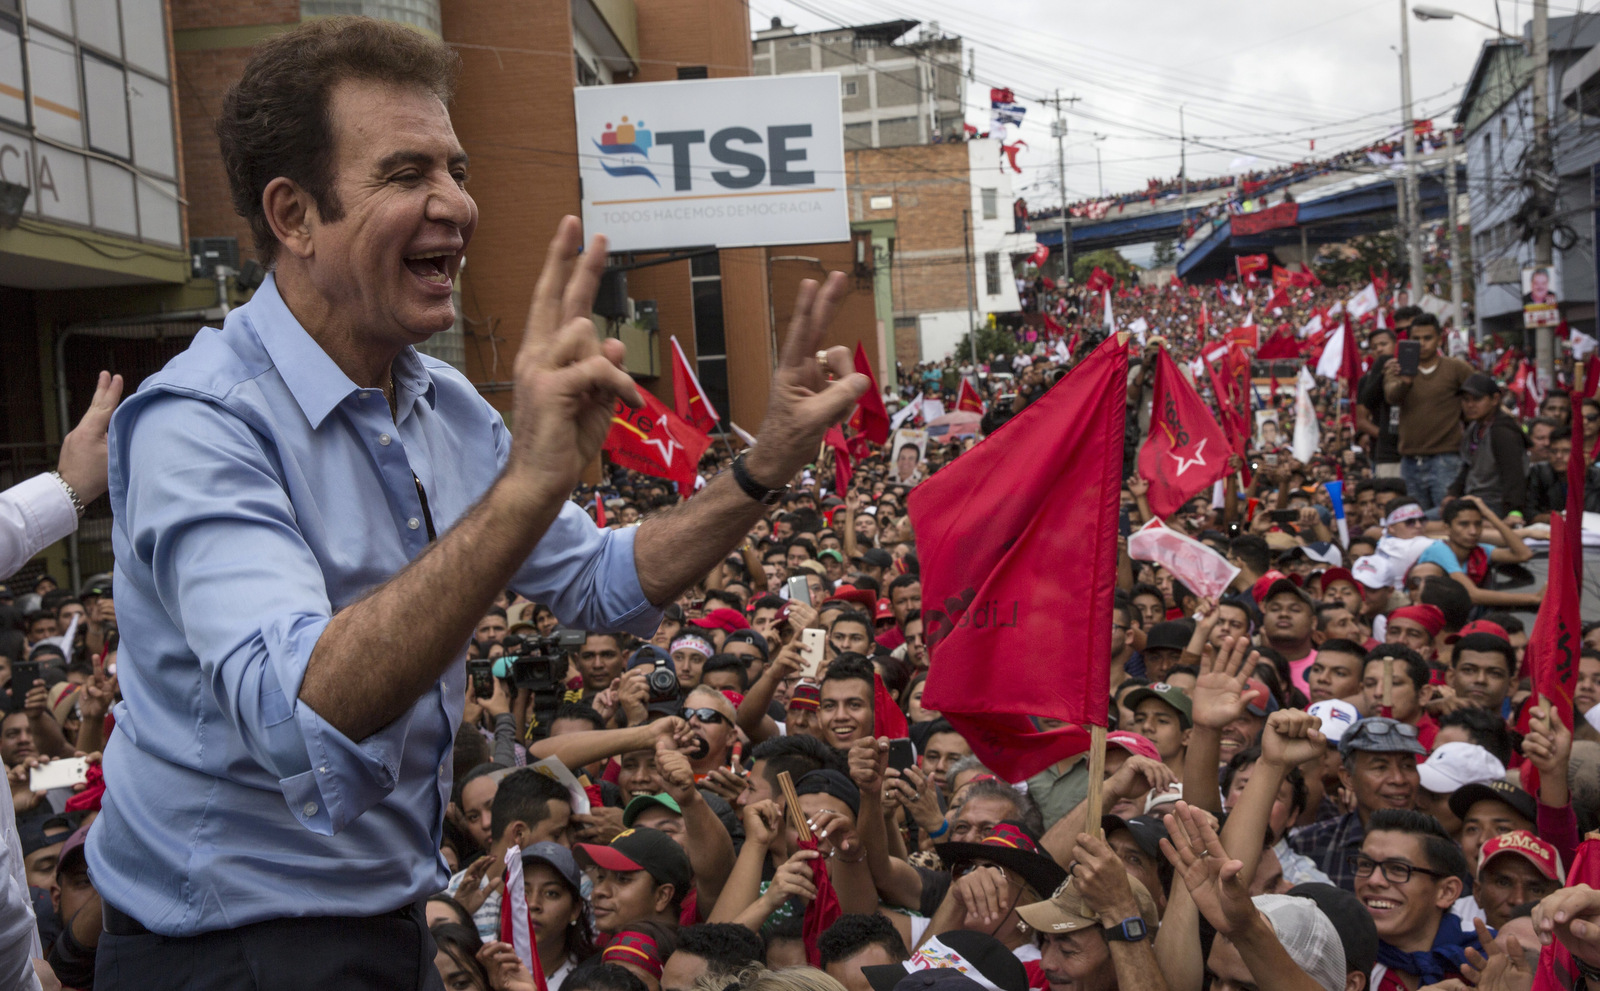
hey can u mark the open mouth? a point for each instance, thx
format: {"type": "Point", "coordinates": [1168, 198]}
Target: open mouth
{"type": "Point", "coordinates": [432, 267]}
{"type": "Point", "coordinates": [1378, 905]}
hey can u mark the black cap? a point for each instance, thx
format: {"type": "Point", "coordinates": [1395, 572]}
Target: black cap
{"type": "Point", "coordinates": [1173, 634]}
{"type": "Point", "coordinates": [641, 849]}
{"type": "Point", "coordinates": [1350, 919]}
{"type": "Point", "coordinates": [938, 979]}
{"type": "Point", "coordinates": [1462, 800]}
{"type": "Point", "coordinates": [36, 833]}
{"type": "Point", "coordinates": [1147, 831]}
{"type": "Point", "coordinates": [750, 637]}
{"type": "Point", "coordinates": [877, 557]}
{"type": "Point", "coordinates": [1480, 385]}
{"type": "Point", "coordinates": [978, 951]}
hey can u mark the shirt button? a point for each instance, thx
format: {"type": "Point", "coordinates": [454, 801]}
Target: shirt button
{"type": "Point", "coordinates": [364, 395]}
{"type": "Point", "coordinates": [310, 809]}
{"type": "Point", "coordinates": [412, 523]}
{"type": "Point", "coordinates": [383, 440]}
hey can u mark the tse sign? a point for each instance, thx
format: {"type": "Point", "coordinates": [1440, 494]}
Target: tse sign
{"type": "Point", "coordinates": [724, 162]}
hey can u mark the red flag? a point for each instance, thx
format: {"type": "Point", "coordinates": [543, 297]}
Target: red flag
{"type": "Point", "coordinates": [842, 467]}
{"type": "Point", "coordinates": [1350, 364]}
{"type": "Point", "coordinates": [599, 512]}
{"type": "Point", "coordinates": [1099, 280]}
{"type": "Point", "coordinates": [652, 439]}
{"type": "Point", "coordinates": [871, 417]}
{"type": "Point", "coordinates": [822, 912]}
{"type": "Point", "coordinates": [1248, 265]}
{"type": "Point", "coordinates": [993, 539]}
{"type": "Point", "coordinates": [1280, 277]}
{"type": "Point", "coordinates": [688, 399]}
{"type": "Point", "coordinates": [1552, 654]}
{"type": "Point", "coordinates": [1187, 450]}
{"type": "Point", "coordinates": [508, 936]}
{"type": "Point", "coordinates": [1279, 300]}
{"type": "Point", "coordinates": [969, 401]}
{"type": "Point", "coordinates": [1281, 346]}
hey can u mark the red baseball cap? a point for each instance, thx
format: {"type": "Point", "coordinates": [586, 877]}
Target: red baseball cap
{"type": "Point", "coordinates": [1133, 743]}
{"type": "Point", "coordinates": [1486, 626]}
{"type": "Point", "coordinates": [1539, 853]}
{"type": "Point", "coordinates": [863, 597]}
{"type": "Point", "coordinates": [884, 610]}
{"type": "Point", "coordinates": [1340, 575]}
{"type": "Point", "coordinates": [725, 619]}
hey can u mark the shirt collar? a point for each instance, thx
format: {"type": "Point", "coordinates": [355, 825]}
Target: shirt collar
{"type": "Point", "coordinates": [316, 382]}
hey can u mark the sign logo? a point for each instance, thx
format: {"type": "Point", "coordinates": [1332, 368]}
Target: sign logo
{"type": "Point", "coordinates": [629, 141]}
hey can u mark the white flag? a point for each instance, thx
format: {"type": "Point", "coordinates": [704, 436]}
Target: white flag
{"type": "Point", "coordinates": [1332, 355]}
{"type": "Point", "coordinates": [1139, 327]}
{"type": "Point", "coordinates": [521, 936]}
{"type": "Point", "coordinates": [1111, 323]}
{"type": "Point", "coordinates": [905, 414]}
{"type": "Point", "coordinates": [1307, 435]}
{"type": "Point", "coordinates": [1363, 302]}
{"type": "Point", "coordinates": [1312, 326]}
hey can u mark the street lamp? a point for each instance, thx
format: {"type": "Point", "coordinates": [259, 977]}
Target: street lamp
{"type": "Point", "coordinates": [1424, 12]}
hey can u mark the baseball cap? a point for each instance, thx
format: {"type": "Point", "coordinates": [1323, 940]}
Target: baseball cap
{"type": "Point", "coordinates": [1456, 765]}
{"type": "Point", "coordinates": [1275, 582]}
{"type": "Point", "coordinates": [1381, 735]}
{"type": "Point", "coordinates": [72, 848]}
{"type": "Point", "coordinates": [1499, 791]}
{"type": "Point", "coordinates": [979, 956]}
{"type": "Point", "coordinates": [1147, 831]}
{"type": "Point", "coordinates": [1488, 626]}
{"type": "Point", "coordinates": [1170, 694]}
{"type": "Point", "coordinates": [639, 849]}
{"type": "Point", "coordinates": [1134, 743]}
{"type": "Point", "coordinates": [883, 610]}
{"type": "Point", "coordinates": [877, 557]}
{"type": "Point", "coordinates": [830, 552]}
{"type": "Point", "coordinates": [648, 654]}
{"type": "Point", "coordinates": [1480, 385]}
{"type": "Point", "coordinates": [726, 619]}
{"type": "Point", "coordinates": [1173, 634]}
{"type": "Point", "coordinates": [1540, 853]}
{"type": "Point", "coordinates": [863, 597]}
{"type": "Point", "coordinates": [560, 859]}
{"type": "Point", "coordinates": [640, 803]}
{"type": "Point", "coordinates": [1351, 921]}
{"type": "Point", "coordinates": [1340, 575]}
{"type": "Point", "coordinates": [1425, 614]}
{"type": "Point", "coordinates": [1066, 911]}
{"type": "Point", "coordinates": [1308, 935]}
{"type": "Point", "coordinates": [750, 637]}
{"type": "Point", "coordinates": [36, 834]}
{"type": "Point", "coordinates": [938, 979]}
{"type": "Point", "coordinates": [1337, 716]}
{"type": "Point", "coordinates": [1173, 793]}
{"type": "Point", "coordinates": [1265, 703]}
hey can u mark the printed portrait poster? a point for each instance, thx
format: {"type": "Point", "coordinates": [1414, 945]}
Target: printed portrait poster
{"type": "Point", "coordinates": [1540, 306]}
{"type": "Point", "coordinates": [910, 447]}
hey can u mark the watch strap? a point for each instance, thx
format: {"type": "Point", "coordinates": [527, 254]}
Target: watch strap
{"type": "Point", "coordinates": [752, 488]}
{"type": "Point", "coordinates": [1129, 930]}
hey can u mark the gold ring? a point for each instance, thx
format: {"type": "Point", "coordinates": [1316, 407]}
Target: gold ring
{"type": "Point", "coordinates": [822, 359]}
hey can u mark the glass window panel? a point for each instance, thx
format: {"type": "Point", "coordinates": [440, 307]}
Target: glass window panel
{"type": "Point", "coordinates": [151, 105]}
{"type": "Point", "coordinates": [62, 191]}
{"type": "Point", "coordinates": [708, 330]}
{"type": "Point", "coordinates": [158, 211]}
{"type": "Point", "coordinates": [106, 97]}
{"type": "Point", "coordinates": [98, 25]}
{"type": "Point", "coordinates": [112, 189]}
{"type": "Point", "coordinates": [53, 69]}
{"type": "Point", "coordinates": [145, 36]}
{"type": "Point", "coordinates": [52, 13]}
{"type": "Point", "coordinates": [13, 105]}
{"type": "Point", "coordinates": [16, 164]}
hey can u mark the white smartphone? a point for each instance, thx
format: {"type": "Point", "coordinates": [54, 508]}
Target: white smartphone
{"type": "Point", "coordinates": [811, 642]}
{"type": "Point", "coordinates": [62, 773]}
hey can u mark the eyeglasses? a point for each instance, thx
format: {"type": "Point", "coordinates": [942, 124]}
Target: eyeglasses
{"type": "Point", "coordinates": [709, 717]}
{"type": "Point", "coordinates": [1364, 731]}
{"type": "Point", "coordinates": [1591, 417]}
{"type": "Point", "coordinates": [1394, 871]}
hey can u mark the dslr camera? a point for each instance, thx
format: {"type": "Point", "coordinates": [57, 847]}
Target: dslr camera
{"type": "Point", "coordinates": [538, 664]}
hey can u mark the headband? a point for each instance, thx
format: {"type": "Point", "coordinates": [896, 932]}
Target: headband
{"type": "Point", "coordinates": [1410, 511]}
{"type": "Point", "coordinates": [691, 642]}
{"type": "Point", "coordinates": [635, 948]}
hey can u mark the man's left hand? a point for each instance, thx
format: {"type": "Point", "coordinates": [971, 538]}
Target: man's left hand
{"type": "Point", "coordinates": [803, 403]}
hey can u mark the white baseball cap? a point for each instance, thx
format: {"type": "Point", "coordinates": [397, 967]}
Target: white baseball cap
{"type": "Point", "coordinates": [1453, 766]}
{"type": "Point", "coordinates": [1309, 937]}
{"type": "Point", "coordinates": [1337, 715]}
{"type": "Point", "coordinates": [1173, 793]}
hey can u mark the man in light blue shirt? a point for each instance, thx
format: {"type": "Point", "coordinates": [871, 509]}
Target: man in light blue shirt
{"type": "Point", "coordinates": [310, 518]}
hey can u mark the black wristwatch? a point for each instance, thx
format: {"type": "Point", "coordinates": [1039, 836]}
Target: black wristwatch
{"type": "Point", "coordinates": [754, 489]}
{"type": "Point", "coordinates": [1129, 931]}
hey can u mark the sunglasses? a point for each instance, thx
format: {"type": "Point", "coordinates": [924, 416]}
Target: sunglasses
{"type": "Point", "coordinates": [711, 717]}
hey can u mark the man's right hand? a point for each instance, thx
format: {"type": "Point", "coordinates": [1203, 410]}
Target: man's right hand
{"type": "Point", "coordinates": [803, 404]}
{"type": "Point", "coordinates": [763, 822]}
{"type": "Point", "coordinates": [1292, 738]}
{"type": "Point", "coordinates": [83, 450]}
{"type": "Point", "coordinates": [472, 892]}
{"type": "Point", "coordinates": [567, 383]}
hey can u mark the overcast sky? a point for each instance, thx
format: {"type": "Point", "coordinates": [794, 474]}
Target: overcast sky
{"type": "Point", "coordinates": [1259, 84]}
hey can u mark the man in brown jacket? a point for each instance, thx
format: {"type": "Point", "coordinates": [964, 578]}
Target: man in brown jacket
{"type": "Point", "coordinates": [1430, 415]}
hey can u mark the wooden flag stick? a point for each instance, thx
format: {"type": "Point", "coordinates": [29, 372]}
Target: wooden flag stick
{"type": "Point", "coordinates": [797, 818]}
{"type": "Point", "coordinates": [1097, 771]}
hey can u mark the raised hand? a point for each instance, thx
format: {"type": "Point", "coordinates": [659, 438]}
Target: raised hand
{"type": "Point", "coordinates": [1571, 915]}
{"type": "Point", "coordinates": [868, 760]}
{"type": "Point", "coordinates": [675, 771]}
{"type": "Point", "coordinates": [763, 821]}
{"type": "Point", "coordinates": [1219, 695]}
{"type": "Point", "coordinates": [794, 877]}
{"type": "Point", "coordinates": [567, 383]}
{"type": "Point", "coordinates": [1212, 877]}
{"type": "Point", "coordinates": [472, 892]}
{"type": "Point", "coordinates": [984, 895]}
{"type": "Point", "coordinates": [803, 404]}
{"type": "Point", "coordinates": [1292, 738]}
{"type": "Point", "coordinates": [83, 450]}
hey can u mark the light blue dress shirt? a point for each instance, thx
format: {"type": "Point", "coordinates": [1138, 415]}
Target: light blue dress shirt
{"type": "Point", "coordinates": [257, 491]}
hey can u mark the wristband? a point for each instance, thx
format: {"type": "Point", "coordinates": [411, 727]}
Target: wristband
{"type": "Point", "coordinates": [943, 828]}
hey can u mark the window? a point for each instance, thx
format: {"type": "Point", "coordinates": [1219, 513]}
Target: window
{"type": "Point", "coordinates": [850, 87]}
{"type": "Point", "coordinates": [583, 72]}
{"type": "Point", "coordinates": [991, 204]}
{"type": "Point", "coordinates": [799, 43]}
{"type": "Point", "coordinates": [691, 72]}
{"type": "Point", "coordinates": [106, 97]}
{"type": "Point", "coordinates": [710, 341]}
{"type": "Point", "coordinates": [991, 272]}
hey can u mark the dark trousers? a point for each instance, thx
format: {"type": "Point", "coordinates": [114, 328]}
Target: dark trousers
{"type": "Point", "coordinates": [382, 953]}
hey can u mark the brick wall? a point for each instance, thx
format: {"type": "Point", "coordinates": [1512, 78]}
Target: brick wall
{"type": "Point", "coordinates": [929, 187]}
{"type": "Point", "coordinates": [189, 14]}
{"type": "Point", "coordinates": [203, 77]}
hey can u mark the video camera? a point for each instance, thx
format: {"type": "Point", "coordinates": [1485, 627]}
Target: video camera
{"type": "Point", "coordinates": [538, 664]}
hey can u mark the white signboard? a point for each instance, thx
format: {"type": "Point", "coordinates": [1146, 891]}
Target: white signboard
{"type": "Point", "coordinates": [725, 162]}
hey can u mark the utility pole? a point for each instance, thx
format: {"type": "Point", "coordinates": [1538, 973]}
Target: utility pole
{"type": "Point", "coordinates": [1413, 222]}
{"type": "Point", "coordinates": [1183, 166]}
{"type": "Point", "coordinates": [972, 303]}
{"type": "Point", "coordinates": [1455, 229]}
{"type": "Point", "coordinates": [1058, 130]}
{"type": "Point", "coordinates": [1543, 170]}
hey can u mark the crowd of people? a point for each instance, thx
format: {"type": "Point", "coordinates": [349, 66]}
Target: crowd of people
{"type": "Point", "coordinates": [685, 748]}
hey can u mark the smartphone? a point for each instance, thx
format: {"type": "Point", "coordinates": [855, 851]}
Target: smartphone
{"type": "Point", "coordinates": [1284, 515]}
{"type": "Point", "coordinates": [811, 641]}
{"type": "Point", "coordinates": [799, 591]}
{"type": "Point", "coordinates": [482, 674]}
{"type": "Point", "coordinates": [1270, 458]}
{"type": "Point", "coordinates": [1409, 356]}
{"type": "Point", "coordinates": [23, 675]}
{"type": "Point", "coordinates": [902, 754]}
{"type": "Point", "coordinates": [62, 773]}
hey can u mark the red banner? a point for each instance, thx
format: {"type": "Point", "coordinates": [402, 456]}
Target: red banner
{"type": "Point", "coordinates": [871, 418]}
{"type": "Point", "coordinates": [654, 440]}
{"type": "Point", "coordinates": [1272, 218]}
{"type": "Point", "coordinates": [688, 399]}
{"type": "Point", "coordinates": [1245, 337]}
{"type": "Point", "coordinates": [969, 402]}
{"type": "Point", "coordinates": [992, 542]}
{"type": "Point", "coordinates": [1186, 451]}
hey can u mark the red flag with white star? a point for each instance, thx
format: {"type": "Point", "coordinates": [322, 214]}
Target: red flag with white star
{"type": "Point", "coordinates": [656, 441]}
{"type": "Point", "coordinates": [1187, 450]}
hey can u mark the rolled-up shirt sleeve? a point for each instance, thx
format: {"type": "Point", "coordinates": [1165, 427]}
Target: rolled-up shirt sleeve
{"type": "Point", "coordinates": [211, 516]}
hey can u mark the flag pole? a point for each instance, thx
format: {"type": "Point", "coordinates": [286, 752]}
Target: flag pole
{"type": "Point", "coordinates": [1097, 773]}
